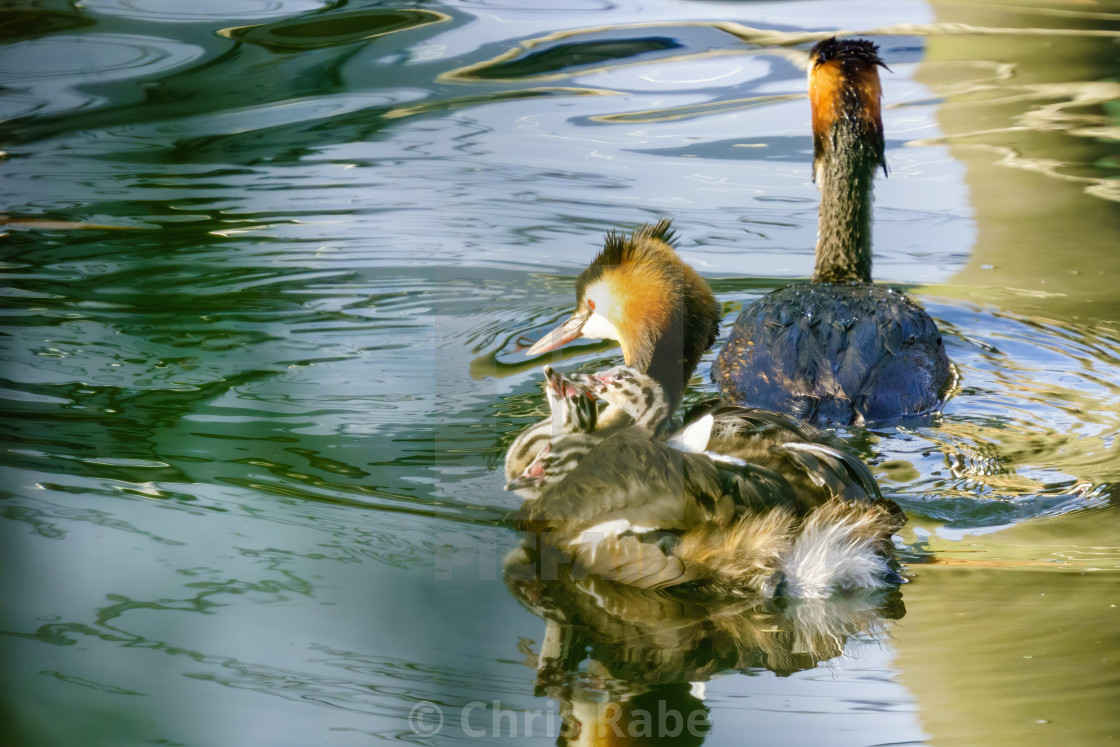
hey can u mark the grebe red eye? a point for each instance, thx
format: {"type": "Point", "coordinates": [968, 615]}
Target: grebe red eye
{"type": "Point", "coordinates": [590, 304]}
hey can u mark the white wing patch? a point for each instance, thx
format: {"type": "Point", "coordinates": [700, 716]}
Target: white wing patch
{"type": "Point", "coordinates": [695, 437]}
{"type": "Point", "coordinates": [596, 534]}
{"type": "Point", "coordinates": [725, 459]}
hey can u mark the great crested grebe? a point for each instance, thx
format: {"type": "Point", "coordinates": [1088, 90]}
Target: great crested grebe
{"type": "Point", "coordinates": [800, 518]}
{"type": "Point", "coordinates": [839, 350]}
{"type": "Point", "coordinates": [632, 509]}
{"type": "Point", "coordinates": [638, 292]}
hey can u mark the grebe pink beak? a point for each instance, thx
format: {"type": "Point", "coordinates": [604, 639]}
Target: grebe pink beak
{"type": "Point", "coordinates": [554, 380]}
{"type": "Point", "coordinates": [593, 382]}
{"type": "Point", "coordinates": [561, 387]}
{"type": "Point", "coordinates": [596, 383]}
{"type": "Point", "coordinates": [562, 335]}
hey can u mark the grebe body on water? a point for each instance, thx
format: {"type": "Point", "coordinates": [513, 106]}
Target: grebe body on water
{"type": "Point", "coordinates": [839, 350]}
{"type": "Point", "coordinates": [770, 508]}
{"type": "Point", "coordinates": [798, 517]}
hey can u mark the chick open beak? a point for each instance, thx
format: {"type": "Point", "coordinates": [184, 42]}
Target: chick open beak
{"type": "Point", "coordinates": [554, 379]}
{"type": "Point", "coordinates": [562, 335]}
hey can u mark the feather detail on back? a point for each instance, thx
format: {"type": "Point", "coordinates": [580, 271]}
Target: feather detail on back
{"type": "Point", "coordinates": [743, 557]}
{"type": "Point", "coordinates": [835, 354]}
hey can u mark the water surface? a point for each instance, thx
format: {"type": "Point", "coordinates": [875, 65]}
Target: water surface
{"type": "Point", "coordinates": [269, 266]}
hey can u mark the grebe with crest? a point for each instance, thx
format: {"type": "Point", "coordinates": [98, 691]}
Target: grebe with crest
{"type": "Point", "coordinates": [839, 350]}
{"type": "Point", "coordinates": [638, 292]}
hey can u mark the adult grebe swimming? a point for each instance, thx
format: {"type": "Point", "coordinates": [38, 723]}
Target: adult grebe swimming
{"type": "Point", "coordinates": [790, 515]}
{"type": "Point", "coordinates": [839, 350]}
{"type": "Point", "coordinates": [767, 503]}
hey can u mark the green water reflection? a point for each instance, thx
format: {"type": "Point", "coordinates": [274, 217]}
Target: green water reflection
{"type": "Point", "coordinates": [269, 267]}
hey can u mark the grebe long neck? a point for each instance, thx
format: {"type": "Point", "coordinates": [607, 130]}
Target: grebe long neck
{"type": "Point", "coordinates": [845, 92]}
{"type": "Point", "coordinates": [668, 356]}
{"type": "Point", "coordinates": [672, 368]}
{"type": "Point", "coordinates": [845, 177]}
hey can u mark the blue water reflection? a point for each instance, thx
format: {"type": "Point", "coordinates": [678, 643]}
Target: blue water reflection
{"type": "Point", "coordinates": [268, 268]}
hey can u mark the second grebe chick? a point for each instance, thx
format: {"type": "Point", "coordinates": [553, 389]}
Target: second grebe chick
{"type": "Point", "coordinates": [632, 392]}
{"type": "Point", "coordinates": [571, 410]}
{"type": "Point", "coordinates": [839, 350]}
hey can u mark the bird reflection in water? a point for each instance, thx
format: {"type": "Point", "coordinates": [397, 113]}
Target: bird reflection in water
{"type": "Point", "coordinates": [629, 666]}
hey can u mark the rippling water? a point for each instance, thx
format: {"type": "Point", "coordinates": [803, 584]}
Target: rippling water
{"type": "Point", "coordinates": [269, 265]}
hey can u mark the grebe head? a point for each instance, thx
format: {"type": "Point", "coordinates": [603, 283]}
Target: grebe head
{"type": "Point", "coordinates": [572, 410]}
{"type": "Point", "coordinates": [844, 90]}
{"type": "Point", "coordinates": [571, 404]}
{"type": "Point", "coordinates": [554, 462]}
{"type": "Point", "coordinates": [638, 292]}
{"type": "Point", "coordinates": [531, 481]}
{"type": "Point", "coordinates": [631, 391]}
{"type": "Point", "coordinates": [845, 93]}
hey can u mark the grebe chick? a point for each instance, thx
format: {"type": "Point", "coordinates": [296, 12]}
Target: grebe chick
{"type": "Point", "coordinates": [571, 410]}
{"type": "Point", "coordinates": [633, 393]}
{"type": "Point", "coordinates": [638, 292]}
{"type": "Point", "coordinates": [554, 463]}
{"type": "Point", "coordinates": [839, 350]}
{"type": "Point", "coordinates": [630, 391]}
{"type": "Point", "coordinates": [639, 397]}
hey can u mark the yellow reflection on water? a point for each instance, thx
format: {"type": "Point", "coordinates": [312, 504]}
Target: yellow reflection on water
{"type": "Point", "coordinates": [1012, 655]}
{"type": "Point", "coordinates": [1012, 634]}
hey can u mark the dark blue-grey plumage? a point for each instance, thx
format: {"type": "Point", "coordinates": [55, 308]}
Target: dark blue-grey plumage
{"type": "Point", "coordinates": [835, 354]}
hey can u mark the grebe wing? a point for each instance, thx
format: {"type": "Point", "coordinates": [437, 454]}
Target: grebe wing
{"type": "Point", "coordinates": [634, 560]}
{"type": "Point", "coordinates": [633, 477]}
